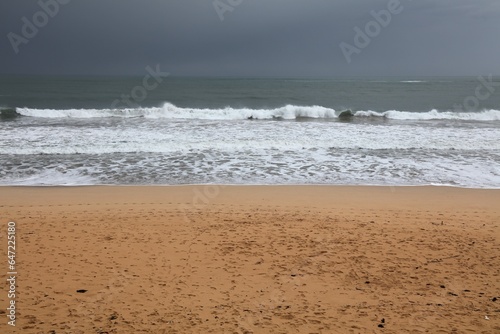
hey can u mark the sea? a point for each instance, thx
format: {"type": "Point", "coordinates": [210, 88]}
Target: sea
{"type": "Point", "coordinates": [141, 130]}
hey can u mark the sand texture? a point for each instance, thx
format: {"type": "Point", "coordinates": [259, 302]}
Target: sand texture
{"type": "Point", "coordinates": [211, 259]}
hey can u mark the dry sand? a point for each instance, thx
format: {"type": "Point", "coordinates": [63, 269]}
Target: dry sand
{"type": "Point", "coordinates": [210, 259]}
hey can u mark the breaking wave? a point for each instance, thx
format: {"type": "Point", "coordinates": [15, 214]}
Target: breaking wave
{"type": "Point", "coordinates": [170, 111]}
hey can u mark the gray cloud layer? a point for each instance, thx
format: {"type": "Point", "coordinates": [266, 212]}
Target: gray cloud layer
{"type": "Point", "coordinates": [256, 38]}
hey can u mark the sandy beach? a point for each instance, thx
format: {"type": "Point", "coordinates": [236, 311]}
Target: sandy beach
{"type": "Point", "coordinates": [253, 259]}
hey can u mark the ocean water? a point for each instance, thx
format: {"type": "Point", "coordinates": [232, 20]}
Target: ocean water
{"type": "Point", "coordinates": [112, 130]}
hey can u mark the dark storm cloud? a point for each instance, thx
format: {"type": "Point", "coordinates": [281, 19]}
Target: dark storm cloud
{"type": "Point", "coordinates": [257, 38]}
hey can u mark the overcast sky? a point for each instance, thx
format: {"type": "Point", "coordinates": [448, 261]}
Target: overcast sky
{"type": "Point", "coordinates": [256, 38]}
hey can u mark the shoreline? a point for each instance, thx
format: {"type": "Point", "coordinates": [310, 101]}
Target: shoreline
{"type": "Point", "coordinates": [10, 193]}
{"type": "Point", "coordinates": [254, 259]}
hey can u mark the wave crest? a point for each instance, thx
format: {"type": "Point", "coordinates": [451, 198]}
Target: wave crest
{"type": "Point", "coordinates": [289, 112]}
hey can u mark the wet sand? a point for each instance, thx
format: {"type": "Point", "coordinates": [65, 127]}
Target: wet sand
{"type": "Point", "coordinates": [253, 259]}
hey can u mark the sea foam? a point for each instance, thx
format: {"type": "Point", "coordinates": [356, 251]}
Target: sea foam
{"type": "Point", "coordinates": [288, 112]}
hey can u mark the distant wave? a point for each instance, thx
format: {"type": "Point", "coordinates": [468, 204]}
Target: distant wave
{"type": "Point", "coordinates": [290, 112]}
{"type": "Point", "coordinates": [403, 81]}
